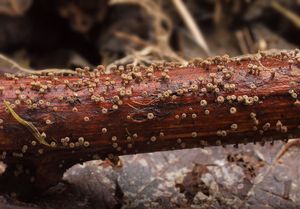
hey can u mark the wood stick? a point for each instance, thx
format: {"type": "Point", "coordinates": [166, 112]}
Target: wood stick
{"type": "Point", "coordinates": [49, 122]}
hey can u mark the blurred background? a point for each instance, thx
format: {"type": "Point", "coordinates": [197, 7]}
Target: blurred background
{"type": "Point", "coordinates": [77, 33]}
{"type": "Point", "coordinates": [43, 34]}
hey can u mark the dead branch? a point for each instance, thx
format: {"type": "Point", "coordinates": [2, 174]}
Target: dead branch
{"type": "Point", "coordinates": [51, 121]}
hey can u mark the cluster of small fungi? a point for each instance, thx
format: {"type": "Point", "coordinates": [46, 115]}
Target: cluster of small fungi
{"type": "Point", "coordinates": [127, 108]}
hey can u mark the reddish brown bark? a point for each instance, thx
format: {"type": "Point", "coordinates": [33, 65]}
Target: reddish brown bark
{"type": "Point", "coordinates": [210, 102]}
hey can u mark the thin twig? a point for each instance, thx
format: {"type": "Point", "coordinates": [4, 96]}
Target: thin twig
{"type": "Point", "coordinates": [294, 18]}
{"type": "Point", "coordinates": [191, 24]}
{"type": "Point", "coordinates": [29, 71]}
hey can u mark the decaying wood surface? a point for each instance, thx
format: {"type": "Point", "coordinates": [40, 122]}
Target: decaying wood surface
{"type": "Point", "coordinates": [50, 121]}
